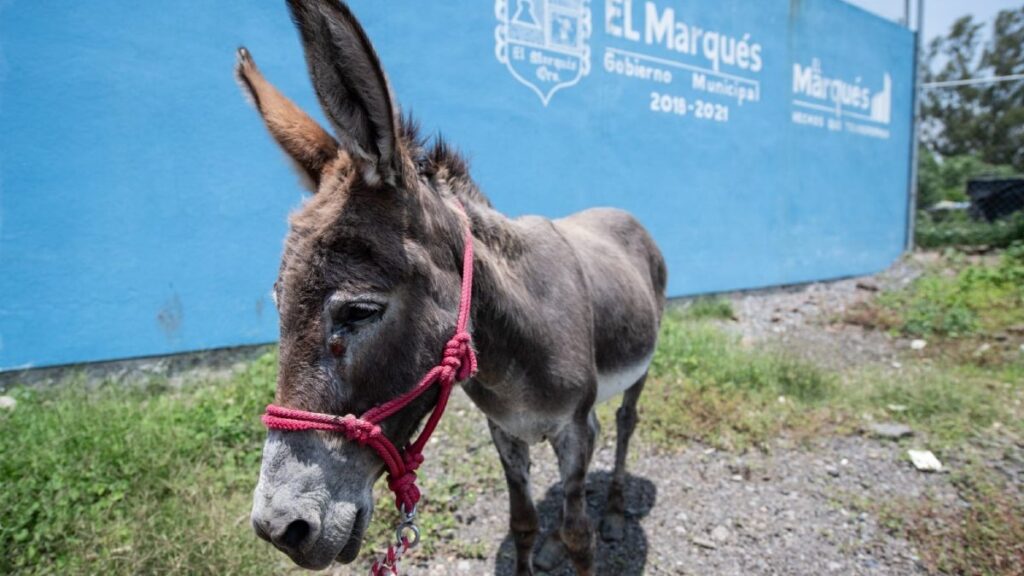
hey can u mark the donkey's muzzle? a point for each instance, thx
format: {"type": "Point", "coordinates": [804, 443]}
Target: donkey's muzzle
{"type": "Point", "coordinates": [290, 535]}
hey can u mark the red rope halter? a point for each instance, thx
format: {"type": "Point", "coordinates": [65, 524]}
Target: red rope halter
{"type": "Point", "coordinates": [458, 362]}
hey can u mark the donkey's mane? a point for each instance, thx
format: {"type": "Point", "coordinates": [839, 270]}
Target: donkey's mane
{"type": "Point", "coordinates": [440, 162]}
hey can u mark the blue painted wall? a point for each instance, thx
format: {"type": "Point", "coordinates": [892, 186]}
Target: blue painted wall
{"type": "Point", "coordinates": [142, 205]}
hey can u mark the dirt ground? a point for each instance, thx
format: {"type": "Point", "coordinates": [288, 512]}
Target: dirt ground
{"type": "Point", "coordinates": [801, 509]}
{"type": "Point", "coordinates": [792, 511]}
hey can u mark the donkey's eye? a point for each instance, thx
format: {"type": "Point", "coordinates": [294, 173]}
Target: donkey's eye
{"type": "Point", "coordinates": [353, 314]}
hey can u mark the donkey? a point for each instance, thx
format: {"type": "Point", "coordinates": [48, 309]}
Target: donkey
{"type": "Point", "coordinates": [565, 312]}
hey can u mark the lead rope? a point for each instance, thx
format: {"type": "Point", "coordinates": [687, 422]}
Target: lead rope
{"type": "Point", "coordinates": [458, 363]}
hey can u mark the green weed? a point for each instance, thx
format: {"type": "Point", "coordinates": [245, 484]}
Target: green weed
{"type": "Point", "coordinates": [949, 404]}
{"type": "Point", "coordinates": [961, 230]}
{"type": "Point", "coordinates": [705, 386]}
{"type": "Point", "coordinates": [980, 535]}
{"type": "Point", "coordinates": [708, 308]}
{"type": "Point", "coordinates": [153, 480]}
{"type": "Point", "coordinates": [115, 480]}
{"type": "Point", "coordinates": [960, 301]}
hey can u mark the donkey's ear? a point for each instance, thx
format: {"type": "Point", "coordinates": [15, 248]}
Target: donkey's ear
{"type": "Point", "coordinates": [306, 143]}
{"type": "Point", "coordinates": [350, 83]}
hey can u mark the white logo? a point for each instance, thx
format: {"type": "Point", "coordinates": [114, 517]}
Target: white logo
{"type": "Point", "coordinates": [543, 43]}
{"type": "Point", "coordinates": [881, 103]}
{"type": "Point", "coordinates": [814, 90]}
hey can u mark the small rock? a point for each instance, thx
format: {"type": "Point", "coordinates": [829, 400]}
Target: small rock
{"type": "Point", "coordinates": [844, 462]}
{"type": "Point", "coordinates": [463, 566]}
{"type": "Point", "coordinates": [897, 364]}
{"type": "Point", "coordinates": [867, 285]}
{"type": "Point", "coordinates": [918, 344]}
{"type": "Point", "coordinates": [704, 543]}
{"type": "Point", "coordinates": [890, 431]}
{"type": "Point", "coordinates": [832, 471]}
{"type": "Point", "coordinates": [982, 349]}
{"type": "Point", "coordinates": [8, 402]}
{"type": "Point", "coordinates": [720, 534]}
{"type": "Point", "coordinates": [924, 460]}
{"type": "Point", "coordinates": [834, 566]}
{"type": "Point", "coordinates": [681, 530]}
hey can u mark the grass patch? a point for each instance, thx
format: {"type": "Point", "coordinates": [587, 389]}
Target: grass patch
{"type": "Point", "coordinates": [960, 230]}
{"type": "Point", "coordinates": [150, 481]}
{"type": "Point", "coordinates": [708, 308]}
{"type": "Point", "coordinates": [948, 403]}
{"type": "Point", "coordinates": [122, 481]}
{"type": "Point", "coordinates": [982, 535]}
{"type": "Point", "coordinates": [705, 386]}
{"type": "Point", "coordinates": [959, 301]}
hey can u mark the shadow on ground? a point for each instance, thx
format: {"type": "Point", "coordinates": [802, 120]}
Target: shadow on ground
{"type": "Point", "coordinates": [627, 557]}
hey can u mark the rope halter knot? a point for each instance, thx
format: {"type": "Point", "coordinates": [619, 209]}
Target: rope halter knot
{"type": "Point", "coordinates": [407, 494]}
{"type": "Point", "coordinates": [459, 358]}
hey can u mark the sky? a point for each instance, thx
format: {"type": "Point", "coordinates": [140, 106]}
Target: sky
{"type": "Point", "coordinates": [940, 14]}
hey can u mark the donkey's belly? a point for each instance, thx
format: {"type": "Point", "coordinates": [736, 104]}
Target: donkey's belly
{"type": "Point", "coordinates": [531, 427]}
{"type": "Point", "coordinates": [612, 382]}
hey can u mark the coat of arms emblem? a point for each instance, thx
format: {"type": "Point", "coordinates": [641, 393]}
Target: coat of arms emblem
{"type": "Point", "coordinates": [543, 43]}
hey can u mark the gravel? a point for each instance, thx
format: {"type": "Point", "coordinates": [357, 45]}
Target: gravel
{"type": "Point", "coordinates": [176, 370]}
{"type": "Point", "coordinates": [792, 510]}
{"type": "Point", "coordinates": [803, 320]}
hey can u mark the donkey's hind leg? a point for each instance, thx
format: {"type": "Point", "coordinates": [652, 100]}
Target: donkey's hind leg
{"type": "Point", "coordinates": [613, 525]}
{"type": "Point", "coordinates": [574, 447]}
{"type": "Point", "coordinates": [523, 522]}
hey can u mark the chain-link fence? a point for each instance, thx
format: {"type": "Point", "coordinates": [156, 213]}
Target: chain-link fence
{"type": "Point", "coordinates": [995, 198]}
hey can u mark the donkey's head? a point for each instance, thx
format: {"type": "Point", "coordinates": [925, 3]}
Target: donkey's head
{"type": "Point", "coordinates": [368, 287]}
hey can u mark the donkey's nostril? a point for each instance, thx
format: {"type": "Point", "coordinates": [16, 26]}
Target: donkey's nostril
{"type": "Point", "coordinates": [261, 530]}
{"type": "Point", "coordinates": [294, 535]}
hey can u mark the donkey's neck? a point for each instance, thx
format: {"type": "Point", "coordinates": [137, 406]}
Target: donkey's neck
{"type": "Point", "coordinates": [504, 322]}
{"type": "Point", "coordinates": [506, 318]}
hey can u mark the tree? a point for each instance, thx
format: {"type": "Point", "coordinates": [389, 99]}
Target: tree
{"type": "Point", "coordinates": [983, 120]}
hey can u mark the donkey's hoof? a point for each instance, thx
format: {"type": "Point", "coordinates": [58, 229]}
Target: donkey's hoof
{"type": "Point", "coordinates": [551, 554]}
{"type": "Point", "coordinates": [613, 527]}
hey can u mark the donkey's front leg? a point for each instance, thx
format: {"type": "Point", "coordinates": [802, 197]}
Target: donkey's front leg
{"type": "Point", "coordinates": [523, 522]}
{"type": "Point", "coordinates": [574, 446]}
